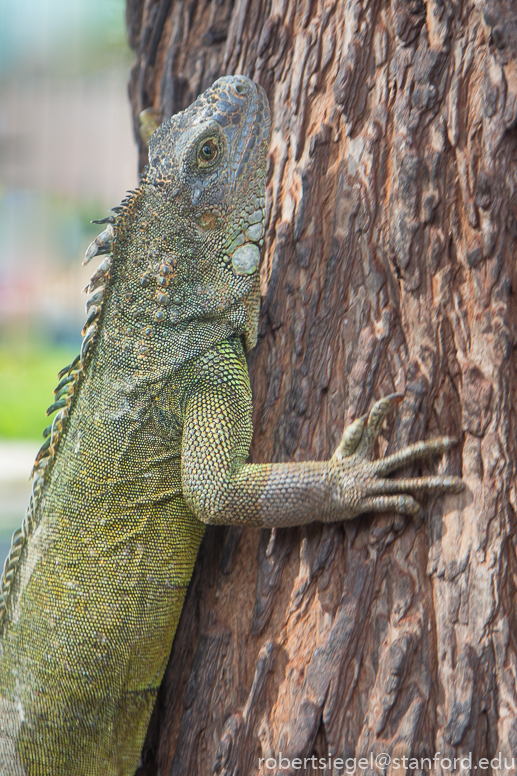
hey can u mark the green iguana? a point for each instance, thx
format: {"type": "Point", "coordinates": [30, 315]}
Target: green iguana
{"type": "Point", "coordinates": [149, 442]}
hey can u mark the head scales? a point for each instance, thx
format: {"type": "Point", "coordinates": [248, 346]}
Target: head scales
{"type": "Point", "coordinates": [215, 206]}
{"type": "Point", "coordinates": [236, 110]}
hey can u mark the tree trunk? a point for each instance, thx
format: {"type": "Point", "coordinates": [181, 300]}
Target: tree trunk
{"type": "Point", "coordinates": [392, 223]}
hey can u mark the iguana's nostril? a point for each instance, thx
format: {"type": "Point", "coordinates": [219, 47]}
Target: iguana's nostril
{"type": "Point", "coordinates": [241, 88]}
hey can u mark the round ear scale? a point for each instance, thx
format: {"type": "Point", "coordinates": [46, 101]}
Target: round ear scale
{"type": "Point", "coordinates": [245, 259]}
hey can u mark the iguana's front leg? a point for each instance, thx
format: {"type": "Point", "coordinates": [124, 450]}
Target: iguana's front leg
{"type": "Point", "coordinates": [220, 488]}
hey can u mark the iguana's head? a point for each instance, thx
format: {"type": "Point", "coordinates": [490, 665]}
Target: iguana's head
{"type": "Point", "coordinates": [211, 158]}
{"type": "Point", "coordinates": [206, 179]}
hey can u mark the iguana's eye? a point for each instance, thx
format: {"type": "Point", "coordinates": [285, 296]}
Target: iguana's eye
{"type": "Point", "coordinates": [207, 153]}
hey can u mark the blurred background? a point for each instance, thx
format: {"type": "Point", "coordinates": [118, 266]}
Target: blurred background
{"type": "Point", "coordinates": [67, 155]}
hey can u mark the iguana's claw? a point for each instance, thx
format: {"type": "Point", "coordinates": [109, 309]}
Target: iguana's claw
{"type": "Point", "coordinates": [375, 420]}
{"type": "Point", "coordinates": [412, 453]}
{"type": "Point", "coordinates": [362, 485]}
{"type": "Point", "coordinates": [360, 436]}
{"type": "Point", "coordinates": [351, 438]}
{"type": "Point", "coordinates": [148, 122]}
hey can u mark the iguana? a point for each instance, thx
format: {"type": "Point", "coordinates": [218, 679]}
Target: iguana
{"type": "Point", "coordinates": [149, 443]}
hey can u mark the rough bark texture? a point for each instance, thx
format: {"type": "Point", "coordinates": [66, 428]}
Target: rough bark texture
{"type": "Point", "coordinates": [392, 224]}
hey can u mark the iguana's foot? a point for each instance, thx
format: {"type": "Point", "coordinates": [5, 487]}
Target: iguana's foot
{"type": "Point", "coordinates": [360, 484]}
{"type": "Point", "coordinates": [148, 123]}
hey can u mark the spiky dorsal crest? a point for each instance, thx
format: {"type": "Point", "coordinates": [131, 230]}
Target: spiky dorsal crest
{"type": "Point", "coordinates": [69, 380]}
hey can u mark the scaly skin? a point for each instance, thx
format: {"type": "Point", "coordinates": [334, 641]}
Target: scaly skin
{"type": "Point", "coordinates": [149, 443]}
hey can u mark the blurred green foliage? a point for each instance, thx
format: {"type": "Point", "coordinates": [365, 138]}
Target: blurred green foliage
{"type": "Point", "coordinates": [66, 40]}
{"type": "Point", "coordinates": [60, 225]}
{"type": "Point", "coordinates": [61, 37]}
{"type": "Point", "coordinates": [28, 377]}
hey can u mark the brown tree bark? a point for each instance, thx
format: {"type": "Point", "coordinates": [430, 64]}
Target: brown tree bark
{"type": "Point", "coordinates": [390, 267]}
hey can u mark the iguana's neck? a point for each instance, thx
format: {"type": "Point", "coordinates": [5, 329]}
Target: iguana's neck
{"type": "Point", "coordinates": [165, 300]}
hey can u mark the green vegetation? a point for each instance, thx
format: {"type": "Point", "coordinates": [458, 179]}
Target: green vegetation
{"type": "Point", "coordinates": [62, 38]}
{"type": "Point", "coordinates": [27, 381]}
